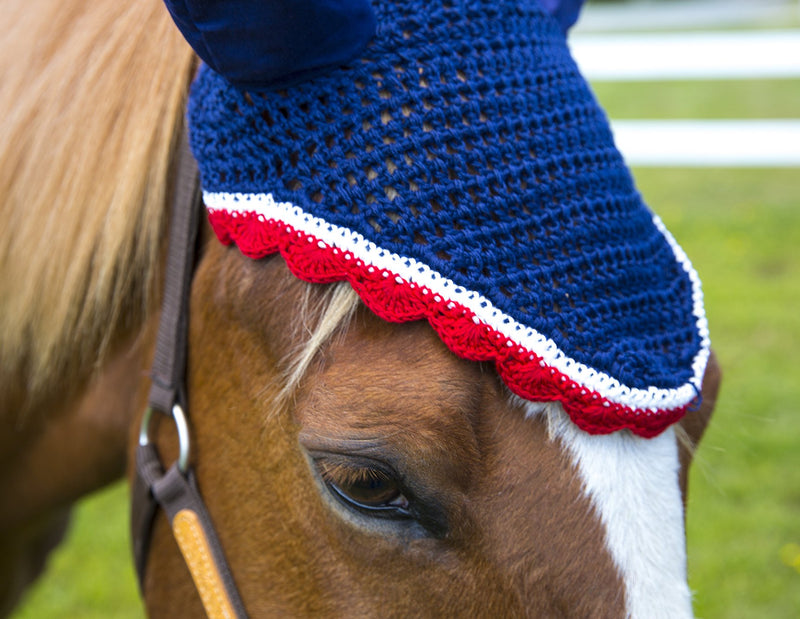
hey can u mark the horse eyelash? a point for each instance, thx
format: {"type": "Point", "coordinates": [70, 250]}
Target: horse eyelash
{"type": "Point", "coordinates": [344, 474]}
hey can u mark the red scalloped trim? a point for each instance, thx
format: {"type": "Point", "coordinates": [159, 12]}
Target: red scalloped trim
{"type": "Point", "coordinates": [396, 300]}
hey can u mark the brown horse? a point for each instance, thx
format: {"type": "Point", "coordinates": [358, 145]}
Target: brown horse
{"type": "Point", "coordinates": [313, 422]}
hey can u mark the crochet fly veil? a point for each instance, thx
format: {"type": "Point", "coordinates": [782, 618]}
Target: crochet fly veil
{"type": "Point", "coordinates": [450, 162]}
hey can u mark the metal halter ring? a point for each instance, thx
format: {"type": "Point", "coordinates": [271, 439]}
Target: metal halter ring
{"type": "Point", "coordinates": [181, 425]}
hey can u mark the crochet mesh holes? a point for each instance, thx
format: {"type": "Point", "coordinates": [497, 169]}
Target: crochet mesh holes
{"type": "Point", "coordinates": [456, 102]}
{"type": "Point", "coordinates": [399, 146]}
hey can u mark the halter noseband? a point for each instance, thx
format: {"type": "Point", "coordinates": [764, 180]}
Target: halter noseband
{"type": "Point", "coordinates": [175, 490]}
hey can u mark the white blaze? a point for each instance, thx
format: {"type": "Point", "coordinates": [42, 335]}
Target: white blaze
{"type": "Point", "coordinates": [633, 484]}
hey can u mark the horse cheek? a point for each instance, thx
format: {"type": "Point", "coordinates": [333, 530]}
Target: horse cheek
{"type": "Point", "coordinates": [694, 424]}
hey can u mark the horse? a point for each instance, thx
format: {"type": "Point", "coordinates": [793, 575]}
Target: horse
{"type": "Point", "coordinates": [315, 425]}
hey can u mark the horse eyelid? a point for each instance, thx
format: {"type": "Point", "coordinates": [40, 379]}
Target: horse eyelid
{"type": "Point", "coordinates": [351, 468]}
{"type": "Point", "coordinates": [390, 511]}
{"type": "Point", "coordinates": [429, 514]}
{"type": "Point", "coordinates": [335, 474]}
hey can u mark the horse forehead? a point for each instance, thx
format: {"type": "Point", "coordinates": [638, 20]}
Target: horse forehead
{"type": "Point", "coordinates": [455, 417]}
{"type": "Point", "coordinates": [602, 510]}
{"type": "Point", "coordinates": [399, 386]}
{"type": "Point", "coordinates": [377, 379]}
{"type": "Point", "coordinates": [390, 367]}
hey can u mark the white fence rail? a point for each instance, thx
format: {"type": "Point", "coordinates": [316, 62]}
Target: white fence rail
{"type": "Point", "coordinates": [688, 56]}
{"type": "Point", "coordinates": [709, 143]}
{"type": "Point", "coordinates": [694, 56]}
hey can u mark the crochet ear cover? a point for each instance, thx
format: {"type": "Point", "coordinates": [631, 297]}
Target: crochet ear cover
{"type": "Point", "coordinates": [455, 167]}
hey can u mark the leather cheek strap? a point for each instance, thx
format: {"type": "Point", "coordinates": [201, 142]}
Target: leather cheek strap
{"type": "Point", "coordinates": [177, 494]}
{"type": "Point", "coordinates": [175, 490]}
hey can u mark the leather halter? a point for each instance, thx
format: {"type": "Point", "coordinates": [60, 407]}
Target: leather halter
{"type": "Point", "coordinates": [175, 490]}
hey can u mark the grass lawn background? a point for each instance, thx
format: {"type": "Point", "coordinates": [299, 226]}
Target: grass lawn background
{"type": "Point", "coordinates": [741, 228]}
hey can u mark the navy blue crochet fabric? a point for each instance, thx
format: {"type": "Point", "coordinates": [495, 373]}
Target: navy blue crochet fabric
{"type": "Point", "coordinates": [465, 137]}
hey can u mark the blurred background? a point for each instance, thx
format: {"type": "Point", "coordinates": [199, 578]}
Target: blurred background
{"type": "Point", "coordinates": [704, 98]}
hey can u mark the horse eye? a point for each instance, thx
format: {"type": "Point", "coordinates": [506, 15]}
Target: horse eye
{"type": "Point", "coordinates": [367, 489]}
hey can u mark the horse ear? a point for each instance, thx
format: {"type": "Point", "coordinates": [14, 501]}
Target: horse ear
{"type": "Point", "coordinates": [262, 44]}
{"type": "Point", "coordinates": [565, 11]}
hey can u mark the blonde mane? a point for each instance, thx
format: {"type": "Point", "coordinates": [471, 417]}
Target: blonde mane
{"type": "Point", "coordinates": [91, 100]}
{"type": "Point", "coordinates": [324, 313]}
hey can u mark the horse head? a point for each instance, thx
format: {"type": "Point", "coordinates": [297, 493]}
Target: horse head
{"type": "Point", "coordinates": [444, 361]}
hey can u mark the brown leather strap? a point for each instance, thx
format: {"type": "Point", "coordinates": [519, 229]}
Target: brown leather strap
{"type": "Point", "coordinates": [169, 363]}
{"type": "Point", "coordinates": [143, 512]}
{"type": "Point", "coordinates": [176, 490]}
{"type": "Point", "coordinates": [178, 495]}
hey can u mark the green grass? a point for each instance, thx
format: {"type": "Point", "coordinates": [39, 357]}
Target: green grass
{"type": "Point", "coordinates": [700, 99]}
{"type": "Point", "coordinates": [91, 575]}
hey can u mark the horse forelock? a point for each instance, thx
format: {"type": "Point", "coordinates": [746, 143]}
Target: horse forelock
{"type": "Point", "coordinates": [92, 96]}
{"type": "Point", "coordinates": [328, 313]}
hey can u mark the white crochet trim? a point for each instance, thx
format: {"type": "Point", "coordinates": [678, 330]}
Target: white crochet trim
{"type": "Point", "coordinates": [413, 271]}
